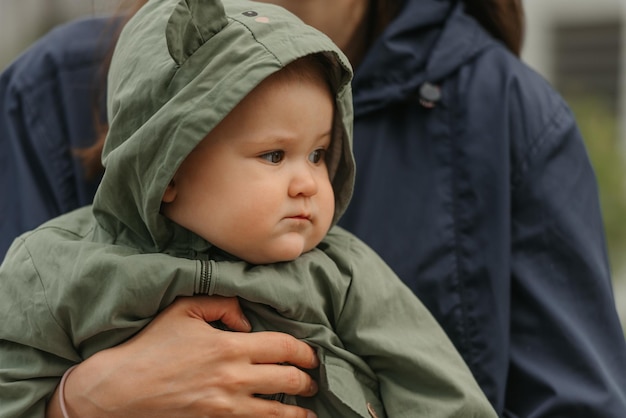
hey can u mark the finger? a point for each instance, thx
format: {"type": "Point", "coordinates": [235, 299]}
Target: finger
{"type": "Point", "coordinates": [266, 408]}
{"type": "Point", "coordinates": [267, 379]}
{"type": "Point", "coordinates": [216, 308]}
{"type": "Point", "coordinates": [275, 347]}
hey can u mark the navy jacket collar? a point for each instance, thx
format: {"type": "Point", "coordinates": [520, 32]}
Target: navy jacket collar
{"type": "Point", "coordinates": [427, 41]}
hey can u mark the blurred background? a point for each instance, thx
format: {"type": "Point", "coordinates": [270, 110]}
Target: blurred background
{"type": "Point", "coordinates": [578, 45]}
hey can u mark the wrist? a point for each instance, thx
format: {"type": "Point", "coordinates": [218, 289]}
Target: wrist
{"type": "Point", "coordinates": [89, 391]}
{"type": "Point", "coordinates": [57, 406]}
{"type": "Point", "coordinates": [61, 393]}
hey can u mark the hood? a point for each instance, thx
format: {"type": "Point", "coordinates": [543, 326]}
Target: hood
{"type": "Point", "coordinates": [427, 41]}
{"type": "Point", "coordinates": [180, 66]}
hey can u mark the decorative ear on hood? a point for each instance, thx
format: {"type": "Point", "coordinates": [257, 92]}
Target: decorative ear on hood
{"type": "Point", "coordinates": [202, 18]}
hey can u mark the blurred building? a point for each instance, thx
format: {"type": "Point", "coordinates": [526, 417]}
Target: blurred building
{"type": "Point", "coordinates": [24, 21]}
{"type": "Point", "coordinates": [580, 46]}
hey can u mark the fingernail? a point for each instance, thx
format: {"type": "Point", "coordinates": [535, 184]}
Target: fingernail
{"type": "Point", "coordinates": [310, 414]}
{"type": "Point", "coordinates": [313, 387]}
{"type": "Point", "coordinates": [246, 323]}
{"type": "Point", "coordinates": [316, 361]}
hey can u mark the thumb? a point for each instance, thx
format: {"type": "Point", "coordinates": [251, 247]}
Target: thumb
{"type": "Point", "coordinates": [216, 308]}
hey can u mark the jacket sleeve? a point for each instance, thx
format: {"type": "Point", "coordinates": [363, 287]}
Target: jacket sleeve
{"type": "Point", "coordinates": [416, 364]}
{"type": "Point", "coordinates": [54, 317]}
{"type": "Point", "coordinates": [567, 352]}
{"type": "Point", "coordinates": [34, 349]}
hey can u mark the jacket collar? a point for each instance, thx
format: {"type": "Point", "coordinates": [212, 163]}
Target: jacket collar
{"type": "Point", "coordinates": [428, 40]}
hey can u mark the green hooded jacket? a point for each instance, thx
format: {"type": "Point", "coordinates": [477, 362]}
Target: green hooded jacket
{"type": "Point", "coordinates": [91, 279]}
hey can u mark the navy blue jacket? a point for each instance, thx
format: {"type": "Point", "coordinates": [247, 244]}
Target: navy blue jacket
{"type": "Point", "coordinates": [48, 101]}
{"type": "Point", "coordinates": [484, 201]}
{"type": "Point", "coordinates": [487, 207]}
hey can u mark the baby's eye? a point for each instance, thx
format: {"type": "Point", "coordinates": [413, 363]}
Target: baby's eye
{"type": "Point", "coordinates": [317, 156]}
{"type": "Point", "coordinates": [273, 157]}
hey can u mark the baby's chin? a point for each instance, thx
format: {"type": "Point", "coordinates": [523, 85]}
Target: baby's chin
{"type": "Point", "coordinates": [272, 258]}
{"type": "Point", "coordinates": [279, 255]}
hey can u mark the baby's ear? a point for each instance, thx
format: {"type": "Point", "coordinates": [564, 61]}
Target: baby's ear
{"type": "Point", "coordinates": [170, 193]}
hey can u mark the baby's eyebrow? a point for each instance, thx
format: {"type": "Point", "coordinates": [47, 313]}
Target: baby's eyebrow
{"type": "Point", "coordinates": [279, 139]}
{"type": "Point", "coordinates": [273, 139]}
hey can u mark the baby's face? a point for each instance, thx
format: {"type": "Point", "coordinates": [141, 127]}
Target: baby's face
{"type": "Point", "coordinates": [257, 186]}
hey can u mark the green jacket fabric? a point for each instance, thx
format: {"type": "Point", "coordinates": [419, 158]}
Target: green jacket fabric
{"type": "Point", "coordinates": [91, 279]}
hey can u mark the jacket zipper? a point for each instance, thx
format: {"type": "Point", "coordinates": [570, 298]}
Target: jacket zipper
{"type": "Point", "coordinates": [205, 277]}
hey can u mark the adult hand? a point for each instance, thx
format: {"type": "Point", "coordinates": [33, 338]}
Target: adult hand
{"type": "Point", "coordinates": [181, 366]}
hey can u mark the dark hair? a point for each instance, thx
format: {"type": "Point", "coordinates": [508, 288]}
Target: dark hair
{"type": "Point", "coordinates": [380, 14]}
{"type": "Point", "coordinates": [90, 157]}
{"type": "Point", "coordinates": [503, 19]}
{"type": "Point", "coordinates": [311, 67]}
